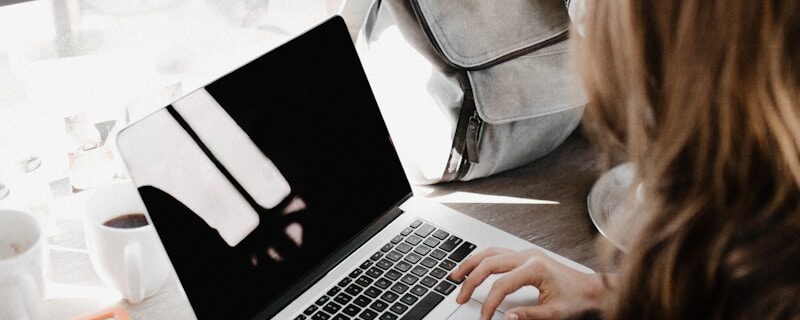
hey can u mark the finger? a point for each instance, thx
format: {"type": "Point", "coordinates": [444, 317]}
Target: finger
{"type": "Point", "coordinates": [472, 261]}
{"type": "Point", "coordinates": [528, 274]}
{"type": "Point", "coordinates": [531, 313]}
{"type": "Point", "coordinates": [489, 266]}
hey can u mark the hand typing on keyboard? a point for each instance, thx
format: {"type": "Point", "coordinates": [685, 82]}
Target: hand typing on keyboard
{"type": "Point", "coordinates": [404, 280]}
{"type": "Point", "coordinates": [563, 292]}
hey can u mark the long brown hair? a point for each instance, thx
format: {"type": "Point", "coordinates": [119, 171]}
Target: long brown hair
{"type": "Point", "coordinates": [704, 97]}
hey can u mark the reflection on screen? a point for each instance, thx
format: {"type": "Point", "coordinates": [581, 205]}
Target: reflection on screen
{"type": "Point", "coordinates": [308, 107]}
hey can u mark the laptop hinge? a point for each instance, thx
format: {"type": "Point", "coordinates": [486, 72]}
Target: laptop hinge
{"type": "Point", "coordinates": [322, 269]}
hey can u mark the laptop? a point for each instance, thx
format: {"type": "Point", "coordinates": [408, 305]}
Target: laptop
{"type": "Point", "coordinates": [277, 194]}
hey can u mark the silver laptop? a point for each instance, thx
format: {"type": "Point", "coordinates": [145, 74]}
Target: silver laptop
{"type": "Point", "coordinates": [277, 193]}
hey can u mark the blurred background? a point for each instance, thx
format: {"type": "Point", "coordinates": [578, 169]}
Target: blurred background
{"type": "Point", "coordinates": [72, 72]}
{"type": "Point", "coordinates": [75, 72]}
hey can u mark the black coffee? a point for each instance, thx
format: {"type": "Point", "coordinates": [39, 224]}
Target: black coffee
{"type": "Point", "coordinates": [128, 221]}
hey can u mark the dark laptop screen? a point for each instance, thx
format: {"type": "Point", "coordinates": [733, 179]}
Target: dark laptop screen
{"type": "Point", "coordinates": [309, 108]}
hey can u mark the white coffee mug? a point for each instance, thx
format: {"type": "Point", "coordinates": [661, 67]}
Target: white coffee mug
{"type": "Point", "coordinates": [21, 262]}
{"type": "Point", "coordinates": [132, 260]}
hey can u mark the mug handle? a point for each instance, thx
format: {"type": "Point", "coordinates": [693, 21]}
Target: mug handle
{"type": "Point", "coordinates": [134, 288]}
{"type": "Point", "coordinates": [29, 294]}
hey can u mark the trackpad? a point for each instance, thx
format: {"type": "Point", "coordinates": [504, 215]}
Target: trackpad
{"type": "Point", "coordinates": [471, 311]}
{"type": "Point", "coordinates": [525, 296]}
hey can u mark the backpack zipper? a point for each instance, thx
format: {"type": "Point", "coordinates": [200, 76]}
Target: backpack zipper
{"type": "Point", "coordinates": [465, 143]}
{"type": "Point", "coordinates": [473, 135]}
{"type": "Point", "coordinates": [470, 152]}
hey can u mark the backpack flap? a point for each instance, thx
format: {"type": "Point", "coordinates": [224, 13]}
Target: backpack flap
{"type": "Point", "coordinates": [475, 34]}
{"type": "Point", "coordinates": [514, 53]}
{"type": "Point", "coordinates": [533, 85]}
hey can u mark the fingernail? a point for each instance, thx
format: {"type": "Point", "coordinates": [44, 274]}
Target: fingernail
{"type": "Point", "coordinates": [513, 316]}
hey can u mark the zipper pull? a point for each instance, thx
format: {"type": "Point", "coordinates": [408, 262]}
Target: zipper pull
{"type": "Point", "coordinates": [473, 132]}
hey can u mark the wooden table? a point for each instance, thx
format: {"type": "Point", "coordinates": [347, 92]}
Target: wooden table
{"type": "Point", "coordinates": [565, 176]}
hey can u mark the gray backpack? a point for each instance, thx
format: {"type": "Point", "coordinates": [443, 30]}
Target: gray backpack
{"type": "Point", "coordinates": [493, 75]}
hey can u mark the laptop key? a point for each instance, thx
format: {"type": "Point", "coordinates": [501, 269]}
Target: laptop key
{"type": "Point", "coordinates": [424, 307]}
{"type": "Point", "coordinates": [374, 272]}
{"type": "Point", "coordinates": [384, 264]}
{"type": "Point", "coordinates": [404, 247]}
{"type": "Point", "coordinates": [416, 224]}
{"type": "Point", "coordinates": [447, 265]}
{"type": "Point", "coordinates": [399, 308]}
{"type": "Point", "coordinates": [387, 247]}
{"type": "Point", "coordinates": [372, 292]}
{"type": "Point", "coordinates": [428, 262]}
{"type": "Point", "coordinates": [366, 264]}
{"type": "Point", "coordinates": [341, 317]}
{"type": "Point", "coordinates": [440, 234]}
{"type": "Point", "coordinates": [343, 298]}
{"type": "Point", "coordinates": [462, 252]}
{"type": "Point", "coordinates": [368, 314]}
{"type": "Point", "coordinates": [450, 278]}
{"type": "Point", "coordinates": [321, 316]}
{"type": "Point", "coordinates": [379, 305]}
{"type": "Point", "coordinates": [431, 242]}
{"type": "Point", "coordinates": [362, 301]}
{"type": "Point", "coordinates": [406, 231]}
{"type": "Point", "coordinates": [356, 273]}
{"type": "Point", "coordinates": [397, 239]}
{"type": "Point", "coordinates": [409, 299]}
{"type": "Point", "coordinates": [364, 281]}
{"type": "Point", "coordinates": [424, 230]}
{"type": "Point", "coordinates": [388, 316]}
{"type": "Point", "coordinates": [322, 300]}
{"type": "Point", "coordinates": [393, 274]}
{"type": "Point", "coordinates": [394, 255]}
{"type": "Point", "coordinates": [389, 296]}
{"type": "Point", "coordinates": [412, 258]}
{"type": "Point", "coordinates": [438, 273]}
{"type": "Point", "coordinates": [445, 288]}
{"type": "Point", "coordinates": [451, 243]}
{"type": "Point", "coordinates": [419, 271]}
{"type": "Point", "coordinates": [422, 250]}
{"type": "Point", "coordinates": [409, 279]}
{"type": "Point", "coordinates": [351, 310]}
{"type": "Point", "coordinates": [414, 240]}
{"type": "Point", "coordinates": [353, 289]}
{"type": "Point", "coordinates": [300, 317]}
{"type": "Point", "coordinates": [333, 291]}
{"type": "Point", "coordinates": [376, 256]}
{"type": "Point", "coordinates": [428, 282]}
{"type": "Point", "coordinates": [403, 266]}
{"type": "Point", "coordinates": [419, 290]}
{"type": "Point", "coordinates": [311, 309]}
{"type": "Point", "coordinates": [438, 254]}
{"type": "Point", "coordinates": [383, 283]}
{"type": "Point", "coordinates": [344, 282]}
{"type": "Point", "coordinates": [332, 307]}
{"type": "Point", "coordinates": [399, 288]}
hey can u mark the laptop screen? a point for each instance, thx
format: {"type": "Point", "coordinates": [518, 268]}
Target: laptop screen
{"type": "Point", "coordinates": [309, 109]}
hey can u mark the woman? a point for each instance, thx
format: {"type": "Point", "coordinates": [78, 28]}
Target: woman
{"type": "Point", "coordinates": [704, 97]}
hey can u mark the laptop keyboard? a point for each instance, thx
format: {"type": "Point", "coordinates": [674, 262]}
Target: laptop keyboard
{"type": "Point", "coordinates": [404, 280]}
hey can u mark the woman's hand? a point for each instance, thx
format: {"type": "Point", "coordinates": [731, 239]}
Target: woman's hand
{"type": "Point", "coordinates": [563, 291]}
